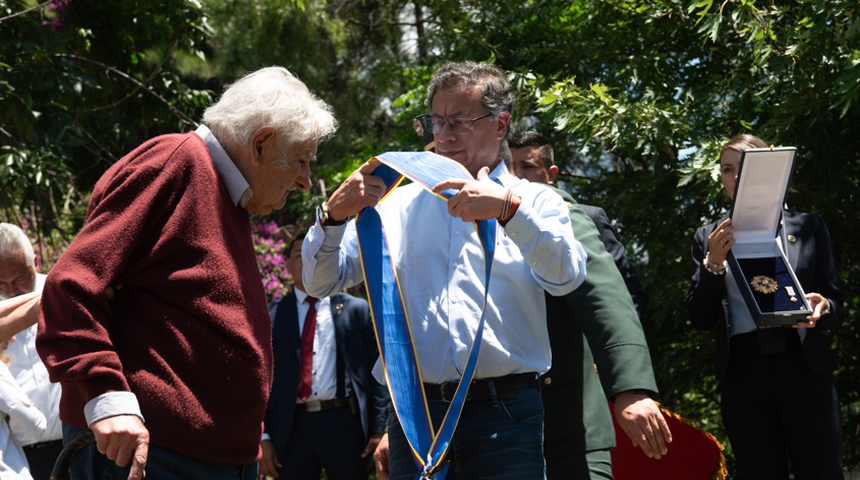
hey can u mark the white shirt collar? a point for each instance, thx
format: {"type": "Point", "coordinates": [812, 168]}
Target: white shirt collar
{"type": "Point", "coordinates": [237, 186]}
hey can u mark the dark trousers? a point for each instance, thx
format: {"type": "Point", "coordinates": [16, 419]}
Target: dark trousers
{"type": "Point", "coordinates": [329, 439]}
{"type": "Point", "coordinates": [495, 440]}
{"type": "Point", "coordinates": [162, 464]}
{"type": "Point", "coordinates": [41, 458]}
{"type": "Point", "coordinates": [778, 412]}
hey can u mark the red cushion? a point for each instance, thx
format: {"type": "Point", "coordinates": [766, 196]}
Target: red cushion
{"type": "Point", "coordinates": [693, 455]}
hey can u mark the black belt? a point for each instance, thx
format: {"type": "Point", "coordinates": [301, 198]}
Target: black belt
{"type": "Point", "coordinates": [499, 388]}
{"type": "Point", "coordinates": [320, 405]}
{"type": "Point", "coordinates": [50, 443]}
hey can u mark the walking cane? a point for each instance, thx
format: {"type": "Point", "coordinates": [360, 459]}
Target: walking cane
{"type": "Point", "coordinates": [64, 461]}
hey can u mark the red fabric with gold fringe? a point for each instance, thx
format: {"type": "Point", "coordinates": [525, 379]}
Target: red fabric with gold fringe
{"type": "Point", "coordinates": [694, 454]}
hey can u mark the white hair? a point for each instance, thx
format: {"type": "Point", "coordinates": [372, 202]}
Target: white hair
{"type": "Point", "coordinates": [270, 96]}
{"type": "Point", "coordinates": [13, 242]}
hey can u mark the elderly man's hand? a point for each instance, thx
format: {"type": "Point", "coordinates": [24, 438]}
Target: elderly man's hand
{"type": "Point", "coordinates": [125, 440]}
{"type": "Point", "coordinates": [269, 464]}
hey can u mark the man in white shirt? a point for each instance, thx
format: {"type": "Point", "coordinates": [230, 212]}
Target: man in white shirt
{"type": "Point", "coordinates": [439, 264]}
{"type": "Point", "coordinates": [18, 276]}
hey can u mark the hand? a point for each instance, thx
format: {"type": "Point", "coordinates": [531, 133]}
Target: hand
{"type": "Point", "coordinates": [818, 303]}
{"type": "Point", "coordinates": [269, 464]}
{"type": "Point", "coordinates": [479, 199]}
{"type": "Point", "coordinates": [720, 241]}
{"type": "Point", "coordinates": [372, 442]}
{"type": "Point", "coordinates": [359, 190]}
{"type": "Point", "coordinates": [642, 421]}
{"type": "Point", "coordinates": [380, 458]}
{"type": "Point", "coordinates": [124, 439]}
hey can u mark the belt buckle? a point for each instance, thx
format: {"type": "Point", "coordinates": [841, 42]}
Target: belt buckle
{"type": "Point", "coordinates": [314, 406]}
{"type": "Point", "coordinates": [447, 391]}
{"type": "Point", "coordinates": [443, 392]}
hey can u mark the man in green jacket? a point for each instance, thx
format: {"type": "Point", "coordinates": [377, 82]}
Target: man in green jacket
{"type": "Point", "coordinates": [595, 324]}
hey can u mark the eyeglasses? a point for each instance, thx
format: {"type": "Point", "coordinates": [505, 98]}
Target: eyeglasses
{"type": "Point", "coordinates": [457, 125]}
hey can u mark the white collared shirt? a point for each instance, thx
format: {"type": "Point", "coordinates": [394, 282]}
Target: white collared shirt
{"type": "Point", "coordinates": [440, 267]}
{"type": "Point", "coordinates": [25, 425]}
{"type": "Point", "coordinates": [32, 377]}
{"type": "Point", "coordinates": [324, 386]}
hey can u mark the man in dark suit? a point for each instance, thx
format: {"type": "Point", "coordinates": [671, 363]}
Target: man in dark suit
{"type": "Point", "coordinates": [337, 422]}
{"type": "Point", "coordinates": [595, 324]}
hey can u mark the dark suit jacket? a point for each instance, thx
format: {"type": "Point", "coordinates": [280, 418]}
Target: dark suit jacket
{"type": "Point", "coordinates": [809, 252]}
{"type": "Point", "coordinates": [594, 324]}
{"type": "Point", "coordinates": [619, 255]}
{"type": "Point", "coordinates": [356, 344]}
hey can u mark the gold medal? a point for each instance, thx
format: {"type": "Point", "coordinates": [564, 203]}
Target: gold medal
{"type": "Point", "coordinates": [764, 284]}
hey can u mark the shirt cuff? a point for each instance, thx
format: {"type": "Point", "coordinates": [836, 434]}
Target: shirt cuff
{"type": "Point", "coordinates": [112, 404]}
{"type": "Point", "coordinates": [265, 437]}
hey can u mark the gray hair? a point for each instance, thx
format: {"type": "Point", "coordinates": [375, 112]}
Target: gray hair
{"type": "Point", "coordinates": [13, 242]}
{"type": "Point", "coordinates": [270, 96]}
{"type": "Point", "coordinates": [497, 96]}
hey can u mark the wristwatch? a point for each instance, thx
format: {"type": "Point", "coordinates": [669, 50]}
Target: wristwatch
{"type": "Point", "coordinates": [324, 217]}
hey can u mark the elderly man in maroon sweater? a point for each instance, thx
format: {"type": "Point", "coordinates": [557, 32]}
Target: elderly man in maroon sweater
{"type": "Point", "coordinates": [173, 374]}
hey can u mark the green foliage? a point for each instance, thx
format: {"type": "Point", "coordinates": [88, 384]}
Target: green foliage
{"type": "Point", "coordinates": [83, 83]}
{"type": "Point", "coordinates": [635, 96]}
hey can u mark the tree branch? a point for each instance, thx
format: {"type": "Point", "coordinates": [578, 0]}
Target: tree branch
{"type": "Point", "coordinates": [140, 85]}
{"type": "Point", "coordinates": [22, 12]}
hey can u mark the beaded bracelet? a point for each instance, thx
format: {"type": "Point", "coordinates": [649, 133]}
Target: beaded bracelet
{"type": "Point", "coordinates": [714, 268]}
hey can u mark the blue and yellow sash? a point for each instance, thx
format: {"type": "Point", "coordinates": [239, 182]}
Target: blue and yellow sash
{"type": "Point", "coordinates": [391, 323]}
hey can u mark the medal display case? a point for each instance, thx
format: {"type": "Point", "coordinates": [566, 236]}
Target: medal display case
{"type": "Point", "coordinates": [757, 261]}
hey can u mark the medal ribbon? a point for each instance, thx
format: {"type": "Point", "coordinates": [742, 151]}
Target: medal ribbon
{"type": "Point", "coordinates": [393, 333]}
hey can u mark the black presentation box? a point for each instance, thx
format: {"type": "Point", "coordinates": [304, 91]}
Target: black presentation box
{"type": "Point", "coordinates": [757, 261]}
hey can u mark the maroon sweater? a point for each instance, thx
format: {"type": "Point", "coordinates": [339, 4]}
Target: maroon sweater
{"type": "Point", "coordinates": [189, 331]}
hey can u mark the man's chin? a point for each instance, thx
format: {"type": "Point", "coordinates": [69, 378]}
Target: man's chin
{"type": "Point", "coordinates": [283, 201]}
{"type": "Point", "coordinates": [456, 155]}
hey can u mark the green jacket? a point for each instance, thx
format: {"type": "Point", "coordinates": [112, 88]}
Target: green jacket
{"type": "Point", "coordinates": [595, 324]}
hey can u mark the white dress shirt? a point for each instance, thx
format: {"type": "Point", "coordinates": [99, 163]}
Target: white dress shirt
{"type": "Point", "coordinates": [324, 385]}
{"type": "Point", "coordinates": [32, 377]}
{"type": "Point", "coordinates": [26, 424]}
{"type": "Point", "coordinates": [440, 266]}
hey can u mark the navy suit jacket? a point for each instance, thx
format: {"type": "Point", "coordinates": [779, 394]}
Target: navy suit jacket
{"type": "Point", "coordinates": [810, 253]}
{"type": "Point", "coordinates": [356, 345]}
